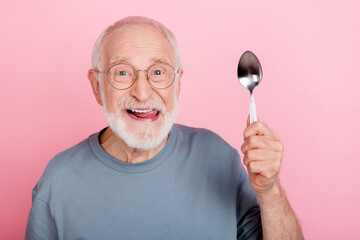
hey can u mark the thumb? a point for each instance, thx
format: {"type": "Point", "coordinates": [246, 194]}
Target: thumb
{"type": "Point", "coordinates": [248, 120]}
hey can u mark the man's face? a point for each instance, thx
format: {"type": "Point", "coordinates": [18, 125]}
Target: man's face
{"type": "Point", "coordinates": [142, 116]}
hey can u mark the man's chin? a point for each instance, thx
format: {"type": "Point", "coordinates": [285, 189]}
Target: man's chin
{"type": "Point", "coordinates": [142, 135]}
{"type": "Point", "coordinates": [144, 143]}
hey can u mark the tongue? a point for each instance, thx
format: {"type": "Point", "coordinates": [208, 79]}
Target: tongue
{"type": "Point", "coordinates": [150, 114]}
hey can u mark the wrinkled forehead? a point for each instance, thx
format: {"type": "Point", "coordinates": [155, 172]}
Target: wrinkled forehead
{"type": "Point", "coordinates": [137, 39]}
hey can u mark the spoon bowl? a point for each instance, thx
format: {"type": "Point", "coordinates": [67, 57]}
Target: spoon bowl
{"type": "Point", "coordinates": [249, 70]}
{"type": "Point", "coordinates": [250, 75]}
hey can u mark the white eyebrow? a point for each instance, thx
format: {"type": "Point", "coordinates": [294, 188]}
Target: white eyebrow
{"type": "Point", "coordinates": [160, 60]}
{"type": "Point", "coordinates": [118, 59]}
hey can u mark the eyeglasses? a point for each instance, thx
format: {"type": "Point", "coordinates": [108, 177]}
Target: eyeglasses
{"type": "Point", "coordinates": [122, 76]}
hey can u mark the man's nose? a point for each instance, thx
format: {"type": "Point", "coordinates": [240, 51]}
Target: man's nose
{"type": "Point", "coordinates": [141, 89]}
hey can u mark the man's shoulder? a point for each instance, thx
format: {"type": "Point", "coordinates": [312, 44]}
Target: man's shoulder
{"type": "Point", "coordinates": [191, 130]}
{"type": "Point", "coordinates": [188, 130]}
{"type": "Point", "coordinates": [72, 153]}
{"type": "Point", "coordinates": [203, 136]}
{"type": "Point", "coordinates": [208, 151]}
{"type": "Point", "coordinates": [62, 166]}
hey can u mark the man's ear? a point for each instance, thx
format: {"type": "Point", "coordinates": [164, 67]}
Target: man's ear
{"type": "Point", "coordinates": [179, 84]}
{"type": "Point", "coordinates": [94, 82]}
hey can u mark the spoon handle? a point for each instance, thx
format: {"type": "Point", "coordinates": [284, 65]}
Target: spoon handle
{"type": "Point", "coordinates": [253, 116]}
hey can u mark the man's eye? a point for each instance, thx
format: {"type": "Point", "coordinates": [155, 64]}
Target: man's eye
{"type": "Point", "coordinates": [122, 73]}
{"type": "Point", "coordinates": [158, 72]}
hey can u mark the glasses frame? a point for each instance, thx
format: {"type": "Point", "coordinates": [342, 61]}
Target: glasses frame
{"type": "Point", "coordinates": [107, 73]}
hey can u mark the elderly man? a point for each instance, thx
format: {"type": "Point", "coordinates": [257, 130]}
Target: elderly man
{"type": "Point", "coordinates": [144, 177]}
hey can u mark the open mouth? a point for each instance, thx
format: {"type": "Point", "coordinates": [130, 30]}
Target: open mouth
{"type": "Point", "coordinates": [143, 114]}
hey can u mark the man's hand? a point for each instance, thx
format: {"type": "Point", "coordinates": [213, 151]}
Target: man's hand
{"type": "Point", "coordinates": [263, 152]}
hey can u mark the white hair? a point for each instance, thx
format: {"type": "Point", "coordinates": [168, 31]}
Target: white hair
{"type": "Point", "coordinates": [118, 26]}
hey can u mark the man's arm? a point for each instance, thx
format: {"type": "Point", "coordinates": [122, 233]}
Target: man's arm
{"type": "Point", "coordinates": [278, 218]}
{"type": "Point", "coordinates": [262, 156]}
{"type": "Point", "coordinates": [40, 223]}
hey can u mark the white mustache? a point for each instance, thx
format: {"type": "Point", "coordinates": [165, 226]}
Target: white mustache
{"type": "Point", "coordinates": [133, 103]}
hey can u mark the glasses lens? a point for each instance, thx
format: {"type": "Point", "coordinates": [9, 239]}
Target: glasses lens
{"type": "Point", "coordinates": [121, 76]}
{"type": "Point", "coordinates": [161, 75]}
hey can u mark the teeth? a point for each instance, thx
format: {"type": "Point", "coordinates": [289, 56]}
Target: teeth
{"type": "Point", "coordinates": [140, 111]}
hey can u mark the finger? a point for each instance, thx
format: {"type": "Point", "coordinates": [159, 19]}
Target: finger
{"type": "Point", "coordinates": [262, 155]}
{"type": "Point", "coordinates": [261, 142]}
{"type": "Point", "coordinates": [263, 168]}
{"type": "Point", "coordinates": [248, 119]}
{"type": "Point", "coordinates": [257, 128]}
{"type": "Point", "coordinates": [255, 142]}
{"type": "Point", "coordinates": [275, 135]}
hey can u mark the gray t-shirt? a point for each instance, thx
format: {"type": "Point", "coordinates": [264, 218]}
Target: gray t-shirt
{"type": "Point", "coordinates": [195, 188]}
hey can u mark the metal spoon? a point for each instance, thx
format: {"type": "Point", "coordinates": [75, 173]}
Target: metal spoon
{"type": "Point", "coordinates": [250, 75]}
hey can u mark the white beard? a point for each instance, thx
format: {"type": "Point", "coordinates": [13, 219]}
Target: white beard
{"type": "Point", "coordinates": [147, 137]}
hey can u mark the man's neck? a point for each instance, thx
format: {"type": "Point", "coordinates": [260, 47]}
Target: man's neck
{"type": "Point", "coordinates": [118, 149]}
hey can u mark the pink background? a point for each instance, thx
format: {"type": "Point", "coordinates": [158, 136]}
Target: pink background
{"type": "Point", "coordinates": [310, 54]}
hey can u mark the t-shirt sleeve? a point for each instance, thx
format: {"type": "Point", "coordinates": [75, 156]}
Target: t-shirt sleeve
{"type": "Point", "coordinates": [40, 225]}
{"type": "Point", "coordinates": [247, 210]}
